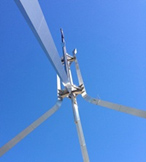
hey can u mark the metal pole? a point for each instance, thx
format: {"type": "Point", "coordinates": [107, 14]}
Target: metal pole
{"type": "Point", "coordinates": [74, 104]}
{"type": "Point", "coordinates": [79, 129]}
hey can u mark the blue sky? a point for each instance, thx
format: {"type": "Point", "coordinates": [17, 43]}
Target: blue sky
{"type": "Point", "coordinates": [110, 37]}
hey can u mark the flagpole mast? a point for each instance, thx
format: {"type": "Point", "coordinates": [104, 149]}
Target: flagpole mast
{"type": "Point", "coordinates": [72, 96]}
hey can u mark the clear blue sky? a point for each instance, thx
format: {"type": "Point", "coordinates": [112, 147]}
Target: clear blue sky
{"type": "Point", "coordinates": [111, 40]}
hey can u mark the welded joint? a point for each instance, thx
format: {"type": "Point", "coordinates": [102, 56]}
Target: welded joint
{"type": "Point", "coordinates": [75, 90]}
{"type": "Point", "coordinates": [70, 59]}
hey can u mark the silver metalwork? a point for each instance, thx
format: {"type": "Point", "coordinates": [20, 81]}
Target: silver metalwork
{"type": "Point", "coordinates": [33, 14]}
{"type": "Point", "coordinates": [29, 129]}
{"type": "Point", "coordinates": [121, 108]}
{"type": "Point", "coordinates": [34, 125]}
{"type": "Point", "coordinates": [79, 129]}
{"type": "Point", "coordinates": [67, 61]}
{"type": "Point", "coordinates": [34, 17]}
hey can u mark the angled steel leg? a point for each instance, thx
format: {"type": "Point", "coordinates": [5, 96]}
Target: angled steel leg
{"type": "Point", "coordinates": [32, 126]}
{"type": "Point", "coordinates": [110, 105]}
{"type": "Point", "coordinates": [79, 129]}
{"type": "Point", "coordinates": [33, 15]}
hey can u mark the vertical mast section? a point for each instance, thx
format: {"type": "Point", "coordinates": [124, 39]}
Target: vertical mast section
{"type": "Point", "coordinates": [72, 95]}
{"type": "Point", "coordinates": [79, 129]}
{"type": "Point", "coordinates": [66, 65]}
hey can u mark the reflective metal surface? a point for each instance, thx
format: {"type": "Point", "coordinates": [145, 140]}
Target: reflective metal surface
{"type": "Point", "coordinates": [79, 130]}
{"type": "Point", "coordinates": [35, 124]}
{"type": "Point", "coordinates": [72, 96]}
{"type": "Point", "coordinates": [29, 129]}
{"type": "Point", "coordinates": [121, 108]}
{"type": "Point", "coordinates": [33, 14]}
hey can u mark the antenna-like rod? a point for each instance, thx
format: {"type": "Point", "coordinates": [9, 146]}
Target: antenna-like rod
{"type": "Point", "coordinates": [66, 65]}
{"type": "Point", "coordinates": [62, 36]}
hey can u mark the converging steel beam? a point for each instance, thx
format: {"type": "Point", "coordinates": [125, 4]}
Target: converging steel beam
{"type": "Point", "coordinates": [34, 125]}
{"type": "Point", "coordinates": [106, 104]}
{"type": "Point", "coordinates": [29, 129]}
{"type": "Point", "coordinates": [34, 16]}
